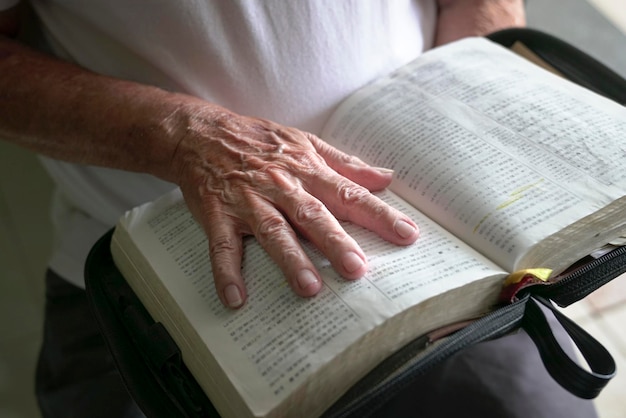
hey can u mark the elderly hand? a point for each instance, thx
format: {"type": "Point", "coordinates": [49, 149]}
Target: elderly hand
{"type": "Point", "coordinates": [240, 176]}
{"type": "Point", "coordinates": [245, 176]}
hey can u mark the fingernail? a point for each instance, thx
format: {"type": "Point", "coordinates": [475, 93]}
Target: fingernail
{"type": "Point", "coordinates": [403, 228]}
{"type": "Point", "coordinates": [352, 262]}
{"type": "Point", "coordinates": [306, 278]}
{"type": "Point", "coordinates": [384, 170]}
{"type": "Point", "coordinates": [233, 296]}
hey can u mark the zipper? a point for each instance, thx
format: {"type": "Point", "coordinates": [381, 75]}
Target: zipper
{"type": "Point", "coordinates": [414, 360]}
{"type": "Point", "coordinates": [584, 280]}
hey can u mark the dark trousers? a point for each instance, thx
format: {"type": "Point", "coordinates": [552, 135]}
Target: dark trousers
{"type": "Point", "coordinates": [76, 376]}
{"type": "Point", "coordinates": [500, 378]}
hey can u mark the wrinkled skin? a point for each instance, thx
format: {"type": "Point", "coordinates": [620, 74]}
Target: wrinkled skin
{"type": "Point", "coordinates": [240, 176]}
{"type": "Point", "coordinates": [245, 176]}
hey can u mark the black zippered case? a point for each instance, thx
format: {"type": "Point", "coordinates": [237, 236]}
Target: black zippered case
{"type": "Point", "coordinates": [155, 375]}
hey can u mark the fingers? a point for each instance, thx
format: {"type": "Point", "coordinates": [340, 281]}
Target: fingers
{"type": "Point", "coordinates": [276, 235]}
{"type": "Point", "coordinates": [350, 201]}
{"type": "Point", "coordinates": [313, 220]}
{"type": "Point", "coordinates": [277, 238]}
{"type": "Point", "coordinates": [353, 203]}
{"type": "Point", "coordinates": [266, 182]}
{"type": "Point", "coordinates": [348, 195]}
{"type": "Point", "coordinates": [312, 211]}
{"type": "Point", "coordinates": [372, 178]}
{"type": "Point", "coordinates": [226, 253]}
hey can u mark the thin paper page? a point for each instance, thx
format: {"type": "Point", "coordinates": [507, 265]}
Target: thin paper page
{"type": "Point", "coordinates": [278, 339]}
{"type": "Point", "coordinates": [486, 146]}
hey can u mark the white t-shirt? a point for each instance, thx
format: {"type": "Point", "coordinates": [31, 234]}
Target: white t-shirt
{"type": "Point", "coordinates": [288, 61]}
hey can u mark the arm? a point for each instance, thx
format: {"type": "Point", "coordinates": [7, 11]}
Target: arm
{"type": "Point", "coordinates": [462, 18]}
{"type": "Point", "coordinates": [239, 175]}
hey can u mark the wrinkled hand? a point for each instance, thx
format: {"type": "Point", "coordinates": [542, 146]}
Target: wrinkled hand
{"type": "Point", "coordinates": [245, 176]}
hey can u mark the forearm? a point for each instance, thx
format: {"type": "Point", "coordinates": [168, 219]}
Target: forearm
{"type": "Point", "coordinates": [239, 175]}
{"type": "Point", "coordinates": [461, 18]}
{"type": "Point", "coordinates": [61, 110]}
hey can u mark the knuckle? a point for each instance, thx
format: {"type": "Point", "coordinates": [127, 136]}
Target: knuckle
{"type": "Point", "coordinates": [270, 228]}
{"type": "Point", "coordinates": [310, 211]}
{"type": "Point", "coordinates": [355, 197]}
{"type": "Point", "coordinates": [221, 247]}
{"type": "Point", "coordinates": [290, 257]}
{"type": "Point", "coordinates": [352, 194]}
{"type": "Point", "coordinates": [334, 240]}
{"type": "Point", "coordinates": [222, 252]}
{"type": "Point", "coordinates": [347, 159]}
{"type": "Point", "coordinates": [378, 209]}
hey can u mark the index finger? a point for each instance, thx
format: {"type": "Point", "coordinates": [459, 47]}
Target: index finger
{"type": "Point", "coordinates": [350, 201]}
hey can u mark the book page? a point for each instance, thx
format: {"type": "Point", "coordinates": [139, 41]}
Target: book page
{"type": "Point", "coordinates": [498, 151]}
{"type": "Point", "coordinates": [278, 340]}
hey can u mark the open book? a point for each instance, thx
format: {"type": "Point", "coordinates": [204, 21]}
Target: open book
{"type": "Point", "coordinates": [503, 165]}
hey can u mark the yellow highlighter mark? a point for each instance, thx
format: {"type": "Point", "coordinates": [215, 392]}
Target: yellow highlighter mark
{"type": "Point", "coordinates": [509, 202]}
{"type": "Point", "coordinates": [514, 196]}
{"type": "Point", "coordinates": [481, 221]}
